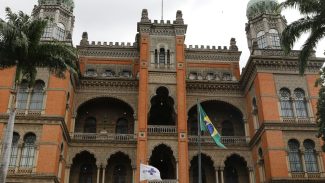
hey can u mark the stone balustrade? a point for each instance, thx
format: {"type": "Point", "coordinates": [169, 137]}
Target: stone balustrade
{"type": "Point", "coordinates": [165, 181]}
{"type": "Point", "coordinates": [103, 136]}
{"type": "Point", "coordinates": [162, 129]}
{"type": "Point", "coordinates": [226, 140]}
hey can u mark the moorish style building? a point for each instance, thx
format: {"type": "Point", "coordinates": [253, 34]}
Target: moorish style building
{"type": "Point", "coordinates": [136, 103]}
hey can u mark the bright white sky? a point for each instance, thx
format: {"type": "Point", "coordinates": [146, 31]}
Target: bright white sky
{"type": "Point", "coordinates": [210, 22]}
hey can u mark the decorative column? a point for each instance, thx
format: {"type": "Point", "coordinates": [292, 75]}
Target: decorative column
{"type": "Point", "coordinates": [133, 174]}
{"type": "Point", "coordinates": [221, 174]}
{"type": "Point", "coordinates": [103, 174]}
{"type": "Point", "coordinates": [67, 174]}
{"type": "Point", "coordinates": [251, 175]}
{"type": "Point", "coordinates": [73, 122]}
{"type": "Point", "coordinates": [303, 163]}
{"type": "Point", "coordinates": [217, 175]}
{"type": "Point", "coordinates": [246, 130]}
{"type": "Point", "coordinates": [177, 170]}
{"type": "Point", "coordinates": [98, 172]}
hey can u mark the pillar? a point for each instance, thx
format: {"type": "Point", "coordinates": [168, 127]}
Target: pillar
{"type": "Point", "coordinates": [303, 163]}
{"type": "Point", "coordinates": [221, 174]}
{"type": "Point", "coordinates": [217, 175]}
{"type": "Point", "coordinates": [98, 172]}
{"type": "Point", "coordinates": [320, 163]}
{"type": "Point", "coordinates": [133, 174]}
{"type": "Point", "coordinates": [246, 130]}
{"type": "Point", "coordinates": [67, 174]}
{"type": "Point", "coordinates": [103, 174]}
{"type": "Point", "coordinates": [251, 175]}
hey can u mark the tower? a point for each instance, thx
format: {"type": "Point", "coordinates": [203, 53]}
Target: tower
{"type": "Point", "coordinates": [61, 19]}
{"type": "Point", "coordinates": [265, 24]}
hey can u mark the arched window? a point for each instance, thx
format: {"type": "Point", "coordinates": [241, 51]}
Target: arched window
{"type": "Point", "coordinates": [162, 56]}
{"type": "Point", "coordinates": [91, 73]}
{"type": "Point", "coordinates": [294, 156]}
{"type": "Point", "coordinates": [261, 40]}
{"type": "Point", "coordinates": [28, 152]}
{"type": "Point", "coordinates": [22, 95]}
{"type": "Point", "coordinates": [86, 174]}
{"type": "Point", "coordinates": [14, 150]}
{"type": "Point", "coordinates": [60, 32]}
{"type": "Point", "coordinates": [36, 101]}
{"type": "Point", "coordinates": [122, 126]}
{"type": "Point", "coordinates": [168, 57]}
{"type": "Point", "coordinates": [300, 104]}
{"type": "Point", "coordinates": [286, 104]}
{"type": "Point", "coordinates": [119, 174]}
{"type": "Point", "coordinates": [227, 128]}
{"type": "Point", "coordinates": [156, 56]}
{"type": "Point", "coordinates": [192, 76]}
{"type": "Point", "coordinates": [48, 31]}
{"type": "Point", "coordinates": [275, 39]}
{"type": "Point", "coordinates": [310, 156]}
{"type": "Point", "coordinates": [90, 125]}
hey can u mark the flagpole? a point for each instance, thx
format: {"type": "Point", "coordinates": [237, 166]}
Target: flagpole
{"type": "Point", "coordinates": [199, 142]}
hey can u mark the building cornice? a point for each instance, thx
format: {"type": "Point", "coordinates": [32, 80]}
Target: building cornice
{"type": "Point", "coordinates": [213, 87]}
{"type": "Point", "coordinates": [123, 84]}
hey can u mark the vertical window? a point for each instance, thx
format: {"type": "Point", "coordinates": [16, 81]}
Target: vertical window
{"type": "Point", "coordinates": [119, 174]}
{"type": "Point", "coordinates": [310, 156]}
{"type": "Point", "coordinates": [168, 57]}
{"type": "Point", "coordinates": [60, 32]}
{"type": "Point", "coordinates": [48, 32]}
{"type": "Point", "coordinates": [285, 102]}
{"type": "Point", "coordinates": [14, 150]}
{"type": "Point", "coordinates": [90, 125]}
{"type": "Point", "coordinates": [300, 104]}
{"type": "Point", "coordinates": [122, 126]}
{"type": "Point", "coordinates": [22, 95]}
{"type": "Point", "coordinates": [36, 101]}
{"type": "Point", "coordinates": [28, 152]}
{"type": "Point", "coordinates": [162, 56]}
{"type": "Point", "coordinates": [227, 128]}
{"type": "Point", "coordinates": [261, 40]}
{"type": "Point", "coordinates": [294, 156]}
{"type": "Point", "coordinates": [275, 39]}
{"type": "Point", "coordinates": [255, 114]}
{"type": "Point", "coordinates": [156, 56]}
{"type": "Point", "coordinates": [86, 174]}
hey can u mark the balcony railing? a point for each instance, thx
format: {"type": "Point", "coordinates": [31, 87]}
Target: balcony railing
{"type": "Point", "coordinates": [164, 181]}
{"type": "Point", "coordinates": [297, 120]}
{"type": "Point", "coordinates": [103, 136]}
{"type": "Point", "coordinates": [226, 140]}
{"type": "Point", "coordinates": [162, 129]}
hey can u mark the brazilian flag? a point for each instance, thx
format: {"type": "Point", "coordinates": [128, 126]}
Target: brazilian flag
{"type": "Point", "coordinates": [206, 125]}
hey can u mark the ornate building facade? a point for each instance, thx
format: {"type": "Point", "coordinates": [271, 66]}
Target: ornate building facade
{"type": "Point", "coordinates": [136, 103]}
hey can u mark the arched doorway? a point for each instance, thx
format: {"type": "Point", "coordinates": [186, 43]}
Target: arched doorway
{"type": "Point", "coordinates": [208, 170]}
{"type": "Point", "coordinates": [119, 169]}
{"type": "Point", "coordinates": [83, 169]}
{"type": "Point", "coordinates": [105, 115]}
{"type": "Point", "coordinates": [236, 170]}
{"type": "Point", "coordinates": [225, 117]}
{"type": "Point", "coordinates": [163, 159]}
{"type": "Point", "coordinates": [162, 108]}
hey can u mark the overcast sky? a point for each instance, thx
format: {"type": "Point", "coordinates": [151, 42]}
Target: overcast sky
{"type": "Point", "coordinates": [210, 22]}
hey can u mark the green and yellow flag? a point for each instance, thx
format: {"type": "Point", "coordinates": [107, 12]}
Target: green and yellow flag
{"type": "Point", "coordinates": [206, 125]}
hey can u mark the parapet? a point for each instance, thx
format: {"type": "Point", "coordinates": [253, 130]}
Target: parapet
{"type": "Point", "coordinates": [232, 47]}
{"type": "Point", "coordinates": [84, 42]}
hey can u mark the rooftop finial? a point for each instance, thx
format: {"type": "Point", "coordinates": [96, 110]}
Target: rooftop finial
{"type": "Point", "coordinates": [162, 9]}
{"type": "Point", "coordinates": [144, 16]}
{"type": "Point", "coordinates": [179, 17]}
{"type": "Point", "coordinates": [233, 45]}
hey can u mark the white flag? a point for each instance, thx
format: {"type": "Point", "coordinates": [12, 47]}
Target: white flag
{"type": "Point", "coordinates": [148, 172]}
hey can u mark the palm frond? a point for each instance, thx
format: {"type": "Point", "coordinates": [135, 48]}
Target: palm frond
{"type": "Point", "coordinates": [304, 6]}
{"type": "Point", "coordinates": [293, 31]}
{"type": "Point", "coordinates": [309, 46]}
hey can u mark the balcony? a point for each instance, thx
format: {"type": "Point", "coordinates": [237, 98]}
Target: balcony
{"type": "Point", "coordinates": [164, 181]}
{"type": "Point", "coordinates": [226, 140]}
{"type": "Point", "coordinates": [103, 137]}
{"type": "Point", "coordinates": [162, 129]}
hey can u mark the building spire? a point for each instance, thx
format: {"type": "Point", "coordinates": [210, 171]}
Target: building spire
{"type": "Point", "coordinates": [162, 9]}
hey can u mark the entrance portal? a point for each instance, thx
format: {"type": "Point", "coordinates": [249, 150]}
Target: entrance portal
{"type": "Point", "coordinates": [163, 159]}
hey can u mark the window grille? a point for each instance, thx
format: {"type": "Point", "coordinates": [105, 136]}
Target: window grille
{"type": "Point", "coordinates": [294, 156]}
{"type": "Point", "coordinates": [286, 103]}
{"type": "Point", "coordinates": [14, 150]}
{"type": "Point", "coordinates": [28, 152]}
{"type": "Point", "coordinates": [300, 104]}
{"type": "Point", "coordinates": [310, 156]}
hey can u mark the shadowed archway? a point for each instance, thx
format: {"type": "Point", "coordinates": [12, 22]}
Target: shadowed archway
{"type": "Point", "coordinates": [208, 170]}
{"type": "Point", "coordinates": [163, 159]}
{"type": "Point", "coordinates": [236, 170]}
{"type": "Point", "coordinates": [83, 169]}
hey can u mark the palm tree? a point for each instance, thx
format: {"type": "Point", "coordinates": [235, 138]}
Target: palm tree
{"type": "Point", "coordinates": [21, 47]}
{"type": "Point", "coordinates": [313, 21]}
